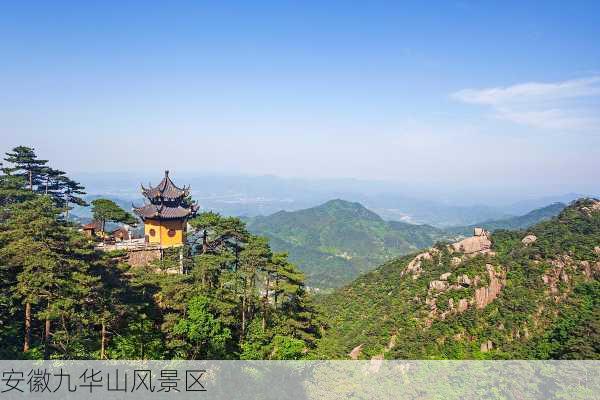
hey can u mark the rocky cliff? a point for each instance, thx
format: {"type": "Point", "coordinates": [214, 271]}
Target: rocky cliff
{"type": "Point", "coordinates": [509, 294]}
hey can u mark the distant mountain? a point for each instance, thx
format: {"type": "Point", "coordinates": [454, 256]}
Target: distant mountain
{"type": "Point", "coordinates": [514, 295]}
{"type": "Point", "coordinates": [336, 241]}
{"type": "Point", "coordinates": [513, 223]}
{"type": "Point", "coordinates": [86, 212]}
{"type": "Point", "coordinates": [523, 206]}
{"type": "Point", "coordinates": [264, 195]}
{"type": "Point", "coordinates": [426, 211]}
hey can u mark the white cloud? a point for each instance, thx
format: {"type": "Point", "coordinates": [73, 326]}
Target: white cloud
{"type": "Point", "coordinates": [566, 105]}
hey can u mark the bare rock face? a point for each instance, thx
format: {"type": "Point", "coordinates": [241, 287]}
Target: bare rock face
{"type": "Point", "coordinates": [597, 250]}
{"type": "Point", "coordinates": [485, 295]}
{"type": "Point", "coordinates": [564, 268]}
{"type": "Point", "coordinates": [355, 353]}
{"type": "Point", "coordinates": [587, 270]}
{"type": "Point", "coordinates": [590, 268]}
{"type": "Point", "coordinates": [529, 239]}
{"type": "Point", "coordinates": [456, 261]}
{"type": "Point", "coordinates": [438, 285]}
{"type": "Point", "coordinates": [444, 277]}
{"type": "Point", "coordinates": [591, 208]}
{"type": "Point", "coordinates": [479, 232]}
{"type": "Point", "coordinates": [414, 267]}
{"type": "Point", "coordinates": [475, 244]}
{"type": "Point", "coordinates": [463, 304]}
{"type": "Point", "coordinates": [558, 272]}
{"type": "Point", "coordinates": [464, 280]}
{"type": "Point", "coordinates": [486, 346]}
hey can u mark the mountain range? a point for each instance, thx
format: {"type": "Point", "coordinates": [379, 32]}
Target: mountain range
{"type": "Point", "coordinates": [336, 241]}
{"type": "Point", "coordinates": [513, 223]}
{"type": "Point", "coordinates": [264, 195]}
{"type": "Point", "coordinates": [506, 295]}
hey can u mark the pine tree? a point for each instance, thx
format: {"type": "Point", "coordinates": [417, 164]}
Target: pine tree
{"type": "Point", "coordinates": [72, 193]}
{"type": "Point", "coordinates": [205, 333]}
{"type": "Point", "coordinates": [50, 261]}
{"type": "Point", "coordinates": [27, 165]}
{"type": "Point", "coordinates": [12, 188]}
{"type": "Point", "coordinates": [218, 232]}
{"type": "Point", "coordinates": [253, 258]}
{"type": "Point", "coordinates": [110, 306]}
{"type": "Point", "coordinates": [104, 210]}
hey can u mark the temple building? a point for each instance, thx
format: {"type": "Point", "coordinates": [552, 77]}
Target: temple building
{"type": "Point", "coordinates": [166, 213]}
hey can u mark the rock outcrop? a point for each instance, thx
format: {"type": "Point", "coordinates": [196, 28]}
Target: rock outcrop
{"type": "Point", "coordinates": [479, 243]}
{"type": "Point", "coordinates": [485, 295]}
{"type": "Point", "coordinates": [529, 239]}
{"type": "Point", "coordinates": [355, 353]}
{"type": "Point", "coordinates": [414, 267]}
{"type": "Point", "coordinates": [563, 269]}
{"type": "Point", "coordinates": [438, 285]}
{"type": "Point", "coordinates": [591, 207]}
{"type": "Point", "coordinates": [445, 276]}
{"type": "Point", "coordinates": [463, 304]}
{"type": "Point", "coordinates": [486, 346]}
{"type": "Point", "coordinates": [464, 280]}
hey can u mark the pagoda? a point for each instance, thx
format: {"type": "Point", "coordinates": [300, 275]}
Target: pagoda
{"type": "Point", "coordinates": [166, 213]}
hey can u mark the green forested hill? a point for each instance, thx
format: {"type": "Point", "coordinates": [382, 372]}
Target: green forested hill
{"type": "Point", "coordinates": [532, 298]}
{"type": "Point", "coordinates": [513, 223]}
{"type": "Point", "coordinates": [336, 241]}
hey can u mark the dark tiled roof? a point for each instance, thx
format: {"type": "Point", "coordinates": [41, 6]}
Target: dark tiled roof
{"type": "Point", "coordinates": [165, 189]}
{"type": "Point", "coordinates": [119, 229]}
{"type": "Point", "coordinates": [96, 225]}
{"type": "Point", "coordinates": [164, 212]}
{"type": "Point", "coordinates": [124, 233]}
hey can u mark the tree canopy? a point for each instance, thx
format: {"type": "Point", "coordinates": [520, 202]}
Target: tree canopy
{"type": "Point", "coordinates": [105, 210]}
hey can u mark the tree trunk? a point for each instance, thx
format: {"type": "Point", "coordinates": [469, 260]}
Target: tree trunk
{"type": "Point", "coordinates": [27, 338]}
{"type": "Point", "coordinates": [47, 338]}
{"type": "Point", "coordinates": [47, 329]}
{"type": "Point", "coordinates": [276, 294]}
{"type": "Point", "coordinates": [30, 180]}
{"type": "Point", "coordinates": [204, 242]}
{"type": "Point", "coordinates": [243, 316]}
{"type": "Point", "coordinates": [266, 303]}
{"type": "Point", "coordinates": [181, 260]}
{"type": "Point", "coordinates": [103, 341]}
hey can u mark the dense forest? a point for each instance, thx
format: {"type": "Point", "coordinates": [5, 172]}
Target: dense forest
{"type": "Point", "coordinates": [60, 298]}
{"type": "Point", "coordinates": [336, 241]}
{"type": "Point", "coordinates": [534, 294]}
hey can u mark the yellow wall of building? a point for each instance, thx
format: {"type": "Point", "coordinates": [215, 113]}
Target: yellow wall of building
{"type": "Point", "coordinates": [161, 232]}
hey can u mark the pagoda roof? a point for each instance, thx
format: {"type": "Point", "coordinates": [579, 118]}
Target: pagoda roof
{"type": "Point", "coordinates": [165, 189]}
{"type": "Point", "coordinates": [158, 211]}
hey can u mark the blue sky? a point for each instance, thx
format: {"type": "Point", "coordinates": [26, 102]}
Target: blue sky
{"type": "Point", "coordinates": [491, 95]}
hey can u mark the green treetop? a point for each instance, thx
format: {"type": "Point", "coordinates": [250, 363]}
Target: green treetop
{"type": "Point", "coordinates": [105, 210]}
{"type": "Point", "coordinates": [27, 165]}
